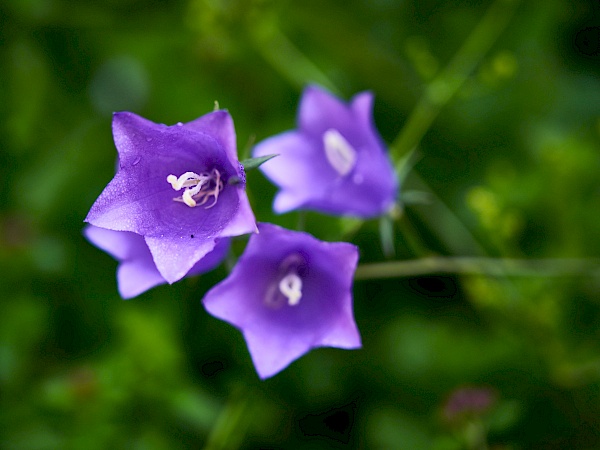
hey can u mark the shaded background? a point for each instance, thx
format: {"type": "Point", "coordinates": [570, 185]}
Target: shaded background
{"type": "Point", "coordinates": [510, 167]}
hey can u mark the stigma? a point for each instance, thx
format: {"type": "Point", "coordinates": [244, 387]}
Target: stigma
{"type": "Point", "coordinates": [199, 188]}
{"type": "Point", "coordinates": [286, 286]}
{"type": "Point", "coordinates": [291, 288]}
{"type": "Point", "coordinates": [340, 154]}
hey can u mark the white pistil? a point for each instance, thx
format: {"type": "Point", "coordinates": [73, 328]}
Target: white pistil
{"type": "Point", "coordinates": [197, 187]}
{"type": "Point", "coordinates": [291, 287]}
{"type": "Point", "coordinates": [340, 154]}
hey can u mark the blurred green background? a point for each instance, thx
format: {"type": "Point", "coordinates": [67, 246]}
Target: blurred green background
{"type": "Point", "coordinates": [510, 168]}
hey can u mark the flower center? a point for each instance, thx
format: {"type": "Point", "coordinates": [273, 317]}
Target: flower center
{"type": "Point", "coordinates": [340, 154]}
{"type": "Point", "coordinates": [291, 287]}
{"type": "Point", "coordinates": [199, 188]}
{"type": "Point", "coordinates": [287, 286]}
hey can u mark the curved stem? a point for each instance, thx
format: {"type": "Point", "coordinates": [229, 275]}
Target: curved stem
{"type": "Point", "coordinates": [232, 423]}
{"type": "Point", "coordinates": [288, 60]}
{"type": "Point", "coordinates": [447, 83]}
{"type": "Point", "coordinates": [480, 266]}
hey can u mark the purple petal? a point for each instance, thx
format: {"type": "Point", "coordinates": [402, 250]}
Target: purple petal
{"type": "Point", "coordinates": [243, 222]}
{"type": "Point", "coordinates": [272, 356]}
{"type": "Point", "coordinates": [320, 110]}
{"type": "Point", "coordinates": [137, 276]}
{"type": "Point", "coordinates": [278, 333]}
{"type": "Point", "coordinates": [139, 199]}
{"type": "Point", "coordinates": [177, 239]}
{"type": "Point", "coordinates": [120, 245]}
{"type": "Point", "coordinates": [174, 257]}
{"type": "Point", "coordinates": [212, 259]}
{"type": "Point", "coordinates": [361, 182]}
{"type": "Point", "coordinates": [219, 125]}
{"type": "Point", "coordinates": [137, 271]}
{"type": "Point", "coordinates": [362, 108]}
{"type": "Point", "coordinates": [301, 163]}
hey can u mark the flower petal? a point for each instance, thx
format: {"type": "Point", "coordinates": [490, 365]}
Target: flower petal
{"type": "Point", "coordinates": [300, 162]}
{"type": "Point", "coordinates": [272, 356]}
{"type": "Point", "coordinates": [279, 333]}
{"type": "Point", "coordinates": [139, 199]}
{"type": "Point", "coordinates": [335, 162]}
{"type": "Point", "coordinates": [120, 245]}
{"type": "Point", "coordinates": [213, 258]}
{"type": "Point", "coordinates": [243, 222]}
{"type": "Point", "coordinates": [174, 257]}
{"type": "Point", "coordinates": [137, 276]}
{"type": "Point", "coordinates": [319, 111]}
{"type": "Point", "coordinates": [137, 272]}
{"type": "Point", "coordinates": [218, 124]}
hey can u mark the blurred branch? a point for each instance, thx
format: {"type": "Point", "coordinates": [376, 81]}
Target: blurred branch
{"type": "Point", "coordinates": [480, 266]}
{"type": "Point", "coordinates": [447, 83]}
{"type": "Point", "coordinates": [287, 59]}
{"type": "Point", "coordinates": [232, 424]}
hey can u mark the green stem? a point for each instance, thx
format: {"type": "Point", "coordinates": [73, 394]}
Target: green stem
{"type": "Point", "coordinates": [231, 426]}
{"type": "Point", "coordinates": [447, 83]}
{"type": "Point", "coordinates": [480, 266]}
{"type": "Point", "coordinates": [287, 59]}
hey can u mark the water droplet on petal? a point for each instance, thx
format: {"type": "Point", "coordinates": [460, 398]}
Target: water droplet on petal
{"type": "Point", "coordinates": [148, 139]}
{"type": "Point", "coordinates": [179, 124]}
{"type": "Point", "coordinates": [136, 161]}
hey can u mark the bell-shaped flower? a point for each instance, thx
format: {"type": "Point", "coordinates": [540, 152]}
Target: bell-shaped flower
{"type": "Point", "coordinates": [180, 187]}
{"type": "Point", "coordinates": [288, 293]}
{"type": "Point", "coordinates": [335, 162]}
{"type": "Point", "coordinates": [137, 271]}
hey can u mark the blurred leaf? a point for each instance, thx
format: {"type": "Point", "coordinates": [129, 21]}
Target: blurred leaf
{"type": "Point", "coordinates": [391, 429]}
{"type": "Point", "coordinates": [28, 89]}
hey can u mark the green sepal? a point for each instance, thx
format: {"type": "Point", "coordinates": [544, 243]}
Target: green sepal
{"type": "Point", "coordinates": [253, 163]}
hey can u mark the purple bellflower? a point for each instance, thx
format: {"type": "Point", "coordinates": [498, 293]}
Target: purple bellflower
{"type": "Point", "coordinates": [288, 293]}
{"type": "Point", "coordinates": [180, 187]}
{"type": "Point", "coordinates": [335, 162]}
{"type": "Point", "coordinates": [137, 272]}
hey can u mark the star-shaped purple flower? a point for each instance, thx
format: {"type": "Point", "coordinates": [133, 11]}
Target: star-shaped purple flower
{"type": "Point", "coordinates": [180, 187]}
{"type": "Point", "coordinates": [137, 272]}
{"type": "Point", "coordinates": [288, 293]}
{"type": "Point", "coordinates": [335, 162]}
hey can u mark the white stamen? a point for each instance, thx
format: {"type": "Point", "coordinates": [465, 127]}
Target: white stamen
{"type": "Point", "coordinates": [186, 180]}
{"type": "Point", "coordinates": [291, 287]}
{"type": "Point", "coordinates": [198, 187]}
{"type": "Point", "coordinates": [340, 154]}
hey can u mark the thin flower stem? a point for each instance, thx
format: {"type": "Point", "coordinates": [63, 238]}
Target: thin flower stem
{"type": "Point", "coordinates": [448, 82]}
{"type": "Point", "coordinates": [559, 267]}
{"type": "Point", "coordinates": [231, 426]}
{"type": "Point", "coordinates": [288, 60]}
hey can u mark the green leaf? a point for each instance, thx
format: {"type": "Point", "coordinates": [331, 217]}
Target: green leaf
{"type": "Point", "coordinates": [253, 163]}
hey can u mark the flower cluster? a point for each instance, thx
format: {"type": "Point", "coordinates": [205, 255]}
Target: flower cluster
{"type": "Point", "coordinates": [178, 197]}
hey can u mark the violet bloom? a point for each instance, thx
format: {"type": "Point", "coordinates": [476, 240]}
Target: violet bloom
{"type": "Point", "coordinates": [137, 272]}
{"type": "Point", "coordinates": [180, 187]}
{"type": "Point", "coordinates": [288, 293]}
{"type": "Point", "coordinates": [335, 162]}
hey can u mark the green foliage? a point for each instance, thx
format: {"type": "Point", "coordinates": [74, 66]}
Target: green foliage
{"type": "Point", "coordinates": [507, 133]}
